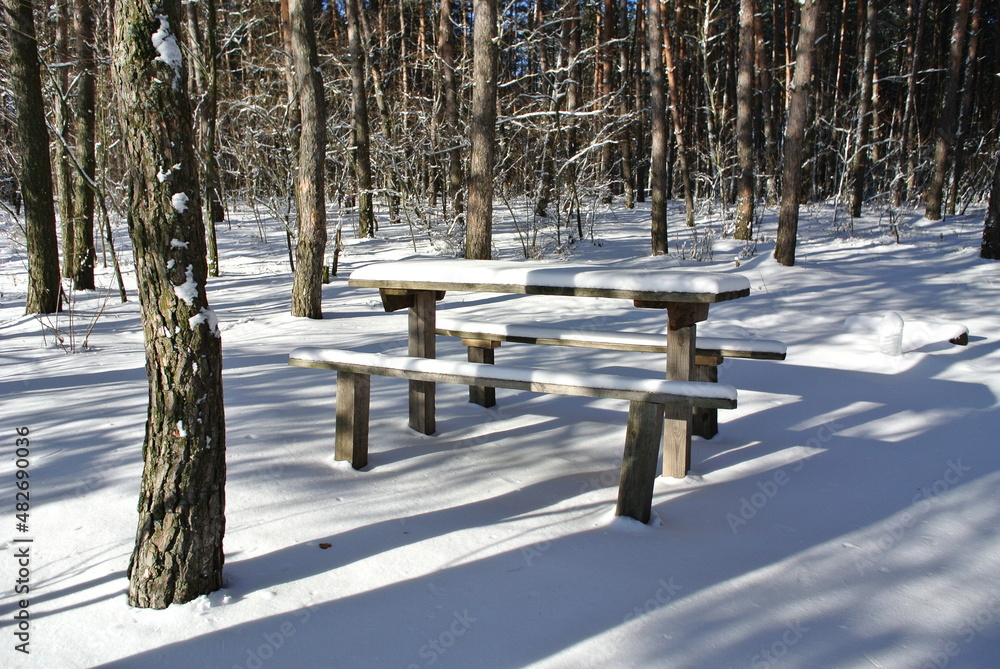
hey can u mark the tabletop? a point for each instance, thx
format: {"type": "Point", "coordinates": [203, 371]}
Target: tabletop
{"type": "Point", "coordinates": [536, 278]}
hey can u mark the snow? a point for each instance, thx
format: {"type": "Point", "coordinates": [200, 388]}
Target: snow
{"type": "Point", "coordinates": [620, 338]}
{"type": "Point", "coordinates": [516, 374]}
{"type": "Point", "coordinates": [187, 292]}
{"type": "Point", "coordinates": [502, 273]}
{"type": "Point", "coordinates": [166, 45]}
{"type": "Point", "coordinates": [179, 201]}
{"type": "Point", "coordinates": [846, 515]}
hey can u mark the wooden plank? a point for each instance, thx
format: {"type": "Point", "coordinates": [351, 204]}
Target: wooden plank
{"type": "Point", "coordinates": [422, 343]}
{"type": "Point", "coordinates": [484, 396]}
{"type": "Point", "coordinates": [705, 422]}
{"type": "Point", "coordinates": [353, 402]}
{"type": "Point", "coordinates": [642, 443]}
{"type": "Point", "coordinates": [536, 380]}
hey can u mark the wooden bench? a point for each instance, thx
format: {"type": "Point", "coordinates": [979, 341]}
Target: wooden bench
{"type": "Point", "coordinates": [482, 338]}
{"type": "Point", "coordinates": [647, 398]}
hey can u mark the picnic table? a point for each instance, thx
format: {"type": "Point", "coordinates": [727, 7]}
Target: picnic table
{"type": "Point", "coordinates": [417, 285]}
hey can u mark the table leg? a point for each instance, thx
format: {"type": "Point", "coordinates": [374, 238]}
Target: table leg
{"type": "Point", "coordinates": [422, 337]}
{"type": "Point", "coordinates": [681, 335]}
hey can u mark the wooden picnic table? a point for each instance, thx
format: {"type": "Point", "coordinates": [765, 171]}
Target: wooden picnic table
{"type": "Point", "coordinates": [418, 285]}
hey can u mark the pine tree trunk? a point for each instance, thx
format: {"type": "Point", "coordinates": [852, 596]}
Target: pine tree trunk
{"type": "Point", "coordinates": [482, 130]}
{"type": "Point", "coordinates": [361, 153]}
{"type": "Point", "coordinates": [63, 125]}
{"type": "Point", "coordinates": [86, 156]}
{"type": "Point", "coordinates": [744, 123]}
{"type": "Point", "coordinates": [658, 118]}
{"type": "Point", "coordinates": [859, 159]}
{"type": "Point", "coordinates": [678, 122]}
{"type": "Point", "coordinates": [810, 23]}
{"type": "Point", "coordinates": [178, 552]}
{"type": "Point", "coordinates": [965, 108]}
{"type": "Point", "coordinates": [33, 144]}
{"type": "Point", "coordinates": [310, 198]}
{"type": "Point", "coordinates": [991, 230]}
{"type": "Point", "coordinates": [449, 90]}
{"type": "Point", "coordinates": [946, 120]}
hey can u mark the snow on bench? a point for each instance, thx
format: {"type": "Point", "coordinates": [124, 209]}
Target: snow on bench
{"type": "Point", "coordinates": [481, 338]}
{"type": "Point", "coordinates": [554, 335]}
{"type": "Point", "coordinates": [647, 398]}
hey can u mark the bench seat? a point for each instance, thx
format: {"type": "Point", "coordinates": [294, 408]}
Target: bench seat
{"type": "Point", "coordinates": [647, 397]}
{"type": "Point", "coordinates": [553, 335]}
{"type": "Point", "coordinates": [482, 337]}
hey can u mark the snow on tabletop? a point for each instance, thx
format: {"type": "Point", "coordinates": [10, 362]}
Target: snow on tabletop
{"type": "Point", "coordinates": [570, 275]}
{"type": "Point", "coordinates": [476, 370]}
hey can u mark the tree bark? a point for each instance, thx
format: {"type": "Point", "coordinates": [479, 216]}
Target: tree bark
{"type": "Point", "coordinates": [946, 120]}
{"type": "Point", "coordinates": [310, 197]}
{"type": "Point", "coordinates": [33, 144]}
{"type": "Point", "coordinates": [991, 229]}
{"type": "Point", "coordinates": [63, 125]}
{"type": "Point", "coordinates": [86, 156]}
{"type": "Point", "coordinates": [658, 118]}
{"type": "Point", "coordinates": [744, 123]}
{"type": "Point", "coordinates": [359, 122]}
{"type": "Point", "coordinates": [479, 234]}
{"type": "Point", "coordinates": [678, 122]}
{"type": "Point", "coordinates": [810, 24]}
{"type": "Point", "coordinates": [449, 89]}
{"type": "Point", "coordinates": [178, 552]}
{"type": "Point", "coordinates": [206, 48]}
{"type": "Point", "coordinates": [965, 107]}
{"type": "Point", "coordinates": [859, 159]}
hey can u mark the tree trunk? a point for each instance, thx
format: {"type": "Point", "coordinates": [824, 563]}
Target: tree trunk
{"type": "Point", "coordinates": [206, 49]}
{"type": "Point", "coordinates": [63, 125]}
{"type": "Point", "coordinates": [965, 108]}
{"type": "Point", "coordinates": [482, 130]}
{"type": "Point", "coordinates": [359, 122]}
{"type": "Point", "coordinates": [86, 157]}
{"type": "Point", "coordinates": [946, 119]}
{"type": "Point", "coordinates": [33, 144]}
{"type": "Point", "coordinates": [310, 197]}
{"type": "Point", "coordinates": [991, 230]}
{"type": "Point", "coordinates": [810, 24]}
{"type": "Point", "coordinates": [675, 109]}
{"type": "Point", "coordinates": [178, 552]}
{"type": "Point", "coordinates": [744, 123]}
{"type": "Point", "coordinates": [658, 118]}
{"type": "Point", "coordinates": [859, 157]}
{"type": "Point", "coordinates": [908, 130]}
{"type": "Point", "coordinates": [449, 89]}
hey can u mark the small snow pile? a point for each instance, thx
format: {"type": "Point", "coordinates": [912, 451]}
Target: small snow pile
{"type": "Point", "coordinates": [166, 45]}
{"type": "Point", "coordinates": [180, 202]}
{"type": "Point", "coordinates": [897, 333]}
{"type": "Point", "coordinates": [187, 291]}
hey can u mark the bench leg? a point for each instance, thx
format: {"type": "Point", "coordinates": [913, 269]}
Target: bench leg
{"type": "Point", "coordinates": [705, 422]}
{"type": "Point", "coordinates": [677, 419]}
{"type": "Point", "coordinates": [353, 400]}
{"type": "Point", "coordinates": [642, 446]}
{"type": "Point", "coordinates": [484, 396]}
{"type": "Point", "coordinates": [422, 333]}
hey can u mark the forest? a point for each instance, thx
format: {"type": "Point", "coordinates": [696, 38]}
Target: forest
{"type": "Point", "coordinates": [900, 110]}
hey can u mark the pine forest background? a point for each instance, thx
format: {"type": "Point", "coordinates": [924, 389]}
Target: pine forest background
{"type": "Point", "coordinates": [573, 112]}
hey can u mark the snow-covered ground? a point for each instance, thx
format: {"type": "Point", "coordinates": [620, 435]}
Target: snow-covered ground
{"type": "Point", "coordinates": [847, 515]}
